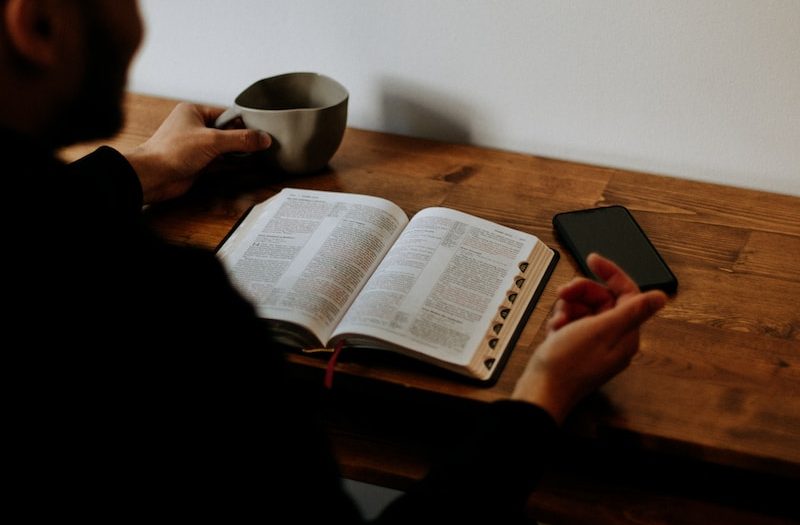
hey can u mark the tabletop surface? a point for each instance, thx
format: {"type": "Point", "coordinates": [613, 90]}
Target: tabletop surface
{"type": "Point", "coordinates": [718, 374]}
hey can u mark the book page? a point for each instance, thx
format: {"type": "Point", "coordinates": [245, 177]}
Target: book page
{"type": "Point", "coordinates": [438, 288]}
{"type": "Point", "coordinates": [303, 255]}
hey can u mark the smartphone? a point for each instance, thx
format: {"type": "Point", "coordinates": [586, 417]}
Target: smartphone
{"type": "Point", "coordinates": [612, 232]}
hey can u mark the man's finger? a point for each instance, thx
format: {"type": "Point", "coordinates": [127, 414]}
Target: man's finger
{"type": "Point", "coordinates": [628, 315]}
{"type": "Point", "coordinates": [586, 291]}
{"type": "Point", "coordinates": [209, 113]}
{"type": "Point", "coordinates": [615, 277]}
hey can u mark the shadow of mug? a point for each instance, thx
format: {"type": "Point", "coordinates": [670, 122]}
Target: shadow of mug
{"type": "Point", "coordinates": [304, 113]}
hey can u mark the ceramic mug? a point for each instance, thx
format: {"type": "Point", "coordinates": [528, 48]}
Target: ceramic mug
{"type": "Point", "coordinates": [304, 113]}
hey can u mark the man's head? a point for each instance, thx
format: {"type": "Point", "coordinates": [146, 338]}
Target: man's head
{"type": "Point", "coordinates": [64, 66]}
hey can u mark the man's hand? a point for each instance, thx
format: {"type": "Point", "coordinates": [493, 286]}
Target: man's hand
{"type": "Point", "coordinates": [169, 161]}
{"type": "Point", "coordinates": [593, 335]}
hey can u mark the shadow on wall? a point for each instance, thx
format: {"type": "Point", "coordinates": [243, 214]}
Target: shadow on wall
{"type": "Point", "coordinates": [417, 111]}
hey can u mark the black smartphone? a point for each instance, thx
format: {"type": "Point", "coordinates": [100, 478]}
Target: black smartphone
{"type": "Point", "coordinates": [612, 232]}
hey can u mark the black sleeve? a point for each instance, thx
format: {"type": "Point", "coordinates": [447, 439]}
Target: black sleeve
{"type": "Point", "coordinates": [105, 185]}
{"type": "Point", "coordinates": [489, 477]}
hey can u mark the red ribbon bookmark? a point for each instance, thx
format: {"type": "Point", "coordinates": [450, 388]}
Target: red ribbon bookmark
{"type": "Point", "coordinates": [332, 365]}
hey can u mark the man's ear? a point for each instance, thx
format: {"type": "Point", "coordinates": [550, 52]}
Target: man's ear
{"type": "Point", "coordinates": [32, 30]}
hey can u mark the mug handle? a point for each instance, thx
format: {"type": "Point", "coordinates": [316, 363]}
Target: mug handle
{"type": "Point", "coordinates": [227, 117]}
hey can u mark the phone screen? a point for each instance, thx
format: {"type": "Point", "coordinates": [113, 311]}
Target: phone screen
{"type": "Point", "coordinates": [614, 233]}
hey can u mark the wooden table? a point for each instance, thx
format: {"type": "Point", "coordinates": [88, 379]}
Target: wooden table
{"type": "Point", "coordinates": [705, 424]}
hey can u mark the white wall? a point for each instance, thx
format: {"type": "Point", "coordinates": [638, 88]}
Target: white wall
{"type": "Point", "coordinates": [701, 89]}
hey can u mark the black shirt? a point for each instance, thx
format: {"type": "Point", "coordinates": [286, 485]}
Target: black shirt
{"type": "Point", "coordinates": [140, 384]}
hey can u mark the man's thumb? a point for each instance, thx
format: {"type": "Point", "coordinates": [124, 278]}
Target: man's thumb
{"type": "Point", "coordinates": [242, 140]}
{"type": "Point", "coordinates": [630, 314]}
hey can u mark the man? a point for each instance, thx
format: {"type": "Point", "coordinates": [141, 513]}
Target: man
{"type": "Point", "coordinates": [138, 384]}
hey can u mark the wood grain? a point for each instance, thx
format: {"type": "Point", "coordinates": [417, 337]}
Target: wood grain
{"type": "Point", "coordinates": [718, 377]}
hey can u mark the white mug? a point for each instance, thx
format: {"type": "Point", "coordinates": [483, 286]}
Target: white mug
{"type": "Point", "coordinates": [304, 113]}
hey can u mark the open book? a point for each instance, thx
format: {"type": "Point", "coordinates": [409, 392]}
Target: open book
{"type": "Point", "coordinates": [445, 287]}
